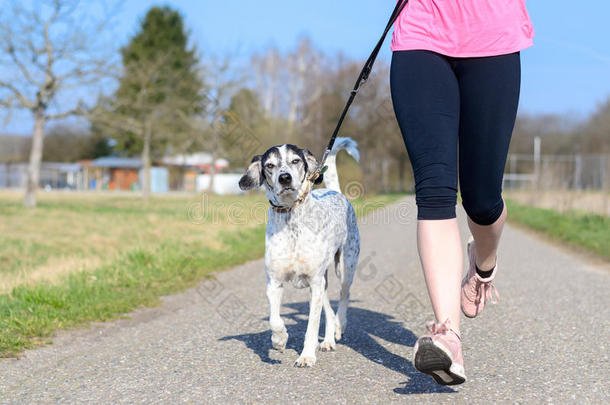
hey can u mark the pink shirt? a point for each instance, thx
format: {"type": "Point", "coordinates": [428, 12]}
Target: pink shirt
{"type": "Point", "coordinates": [464, 28]}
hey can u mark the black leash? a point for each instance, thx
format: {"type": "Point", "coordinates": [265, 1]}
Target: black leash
{"type": "Point", "coordinates": [362, 78]}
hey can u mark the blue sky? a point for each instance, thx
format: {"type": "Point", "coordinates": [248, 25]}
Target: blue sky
{"type": "Point", "coordinates": [567, 71]}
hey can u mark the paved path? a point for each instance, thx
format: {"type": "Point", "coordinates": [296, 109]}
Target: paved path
{"type": "Point", "coordinates": [546, 341]}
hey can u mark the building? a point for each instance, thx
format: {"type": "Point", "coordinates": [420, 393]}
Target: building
{"type": "Point", "coordinates": [193, 173]}
{"type": "Point", "coordinates": [53, 175]}
{"type": "Point", "coordinates": [176, 173]}
{"type": "Point", "coordinates": [112, 173]}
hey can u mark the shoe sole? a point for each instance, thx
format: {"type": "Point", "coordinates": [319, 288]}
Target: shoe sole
{"type": "Point", "coordinates": [468, 248]}
{"type": "Point", "coordinates": [468, 315]}
{"type": "Point", "coordinates": [432, 359]}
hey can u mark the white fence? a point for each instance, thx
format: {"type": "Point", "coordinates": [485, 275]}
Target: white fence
{"type": "Point", "coordinates": [562, 182]}
{"type": "Point", "coordinates": [224, 183]}
{"type": "Point", "coordinates": [558, 172]}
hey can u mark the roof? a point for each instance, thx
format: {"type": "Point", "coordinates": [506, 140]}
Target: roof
{"type": "Point", "coordinates": [198, 159]}
{"type": "Point", "coordinates": [60, 166]}
{"type": "Point", "coordinates": [117, 162]}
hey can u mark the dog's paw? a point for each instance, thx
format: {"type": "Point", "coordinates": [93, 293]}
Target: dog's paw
{"type": "Point", "coordinates": [338, 332]}
{"type": "Point", "coordinates": [328, 346]}
{"type": "Point", "coordinates": [304, 361]}
{"type": "Point", "coordinates": [279, 340]}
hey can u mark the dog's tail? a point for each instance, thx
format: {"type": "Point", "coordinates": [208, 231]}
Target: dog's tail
{"type": "Point", "coordinates": [331, 179]}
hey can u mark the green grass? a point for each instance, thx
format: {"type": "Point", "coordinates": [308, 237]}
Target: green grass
{"type": "Point", "coordinates": [585, 230]}
{"type": "Point", "coordinates": [141, 251]}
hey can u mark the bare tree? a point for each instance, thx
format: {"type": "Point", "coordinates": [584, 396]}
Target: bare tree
{"type": "Point", "coordinates": [222, 83]}
{"type": "Point", "coordinates": [301, 64]}
{"type": "Point", "coordinates": [596, 133]}
{"type": "Point", "coordinates": [268, 68]}
{"type": "Point", "coordinates": [51, 49]}
{"type": "Point", "coordinates": [303, 93]}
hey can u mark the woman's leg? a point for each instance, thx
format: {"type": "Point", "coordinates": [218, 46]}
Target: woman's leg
{"type": "Point", "coordinates": [425, 95]}
{"type": "Point", "coordinates": [440, 254]}
{"type": "Point", "coordinates": [489, 97]}
{"type": "Point", "coordinates": [487, 238]}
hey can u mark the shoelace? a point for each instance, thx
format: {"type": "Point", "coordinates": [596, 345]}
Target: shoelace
{"type": "Point", "coordinates": [441, 328]}
{"type": "Point", "coordinates": [483, 289]}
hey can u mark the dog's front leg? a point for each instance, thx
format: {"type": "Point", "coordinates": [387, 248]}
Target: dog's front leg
{"type": "Point", "coordinates": [308, 355]}
{"type": "Point", "coordinates": [329, 334]}
{"type": "Point", "coordinates": [279, 335]}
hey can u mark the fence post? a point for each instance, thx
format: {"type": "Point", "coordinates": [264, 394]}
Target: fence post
{"type": "Point", "coordinates": [536, 180]}
{"type": "Point", "coordinates": [603, 166]}
{"type": "Point", "coordinates": [577, 172]}
{"type": "Point", "coordinates": [512, 168]}
{"type": "Point", "coordinates": [537, 160]}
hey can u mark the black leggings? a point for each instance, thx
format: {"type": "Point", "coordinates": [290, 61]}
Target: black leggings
{"type": "Point", "coordinates": [442, 101]}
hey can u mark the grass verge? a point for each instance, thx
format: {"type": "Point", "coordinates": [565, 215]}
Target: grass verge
{"type": "Point", "coordinates": [584, 230]}
{"type": "Point", "coordinates": [30, 314]}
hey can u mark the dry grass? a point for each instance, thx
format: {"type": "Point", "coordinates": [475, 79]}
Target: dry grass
{"type": "Point", "coordinates": [50, 272]}
{"type": "Point", "coordinates": [596, 202]}
{"type": "Point", "coordinates": [70, 232]}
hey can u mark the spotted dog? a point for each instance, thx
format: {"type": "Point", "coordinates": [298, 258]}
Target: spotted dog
{"type": "Point", "coordinates": [307, 233]}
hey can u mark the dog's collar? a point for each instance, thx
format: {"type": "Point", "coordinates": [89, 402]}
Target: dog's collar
{"type": "Point", "coordinates": [279, 208]}
{"type": "Point", "coordinates": [303, 193]}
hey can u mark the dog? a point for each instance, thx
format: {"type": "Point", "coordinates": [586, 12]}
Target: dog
{"type": "Point", "coordinates": [307, 232]}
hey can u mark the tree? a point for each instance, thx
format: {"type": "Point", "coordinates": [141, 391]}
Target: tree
{"type": "Point", "coordinates": [65, 143]}
{"type": "Point", "coordinates": [246, 128]}
{"type": "Point", "coordinates": [69, 143]}
{"type": "Point", "coordinates": [48, 52]}
{"type": "Point", "coordinates": [221, 85]}
{"type": "Point", "coordinates": [268, 71]}
{"type": "Point", "coordinates": [159, 89]}
{"type": "Point", "coordinates": [596, 133]}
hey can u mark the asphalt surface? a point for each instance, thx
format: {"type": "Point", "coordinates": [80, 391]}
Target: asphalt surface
{"type": "Point", "coordinates": [546, 341]}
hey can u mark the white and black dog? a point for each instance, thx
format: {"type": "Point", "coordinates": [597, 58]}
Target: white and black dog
{"type": "Point", "coordinates": [306, 235]}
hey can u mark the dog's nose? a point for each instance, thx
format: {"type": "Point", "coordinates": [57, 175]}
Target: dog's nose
{"type": "Point", "coordinates": [285, 179]}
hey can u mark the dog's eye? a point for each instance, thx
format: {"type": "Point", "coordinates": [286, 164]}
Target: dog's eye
{"type": "Point", "coordinates": [295, 161]}
{"type": "Point", "coordinates": [269, 165]}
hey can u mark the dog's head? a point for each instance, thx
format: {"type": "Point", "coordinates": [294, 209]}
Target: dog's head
{"type": "Point", "coordinates": [282, 170]}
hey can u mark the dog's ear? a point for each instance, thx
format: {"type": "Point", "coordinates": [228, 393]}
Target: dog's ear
{"type": "Point", "coordinates": [312, 163]}
{"type": "Point", "coordinates": [253, 177]}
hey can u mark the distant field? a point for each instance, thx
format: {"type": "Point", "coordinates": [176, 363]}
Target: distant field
{"type": "Point", "coordinates": [591, 201]}
{"type": "Point", "coordinates": [81, 257]}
